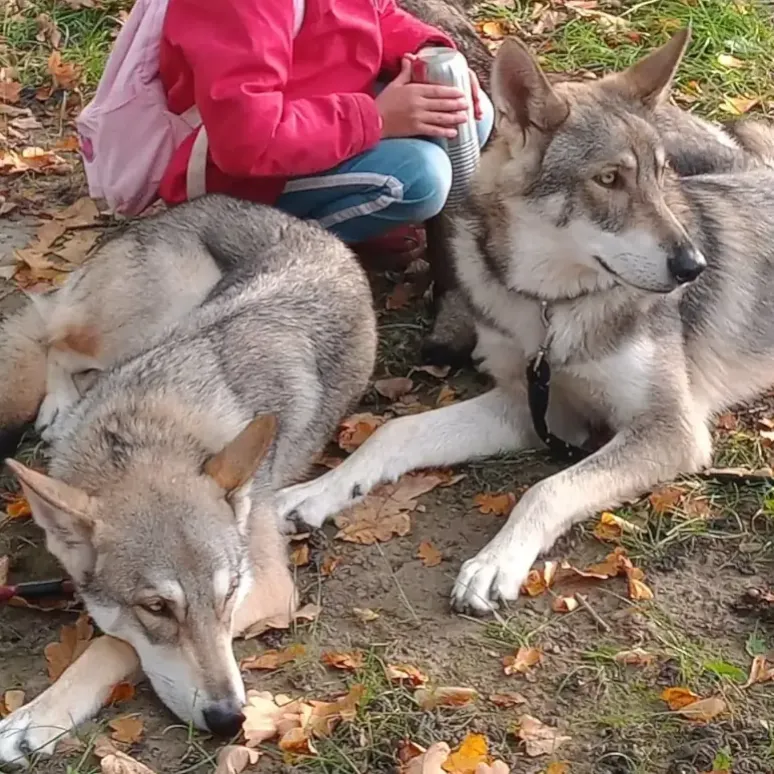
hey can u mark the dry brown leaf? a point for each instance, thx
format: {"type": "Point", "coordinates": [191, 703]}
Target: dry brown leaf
{"type": "Point", "coordinates": [704, 710]}
{"type": "Point", "coordinates": [235, 758]}
{"type": "Point", "coordinates": [558, 768]}
{"type": "Point", "coordinates": [738, 106]}
{"type": "Point", "coordinates": [473, 751]}
{"type": "Point", "coordinates": [299, 556]}
{"type": "Point", "coordinates": [400, 296]}
{"type": "Point", "coordinates": [497, 504]}
{"type": "Point", "coordinates": [127, 729]}
{"type": "Point", "coordinates": [727, 422]}
{"type": "Point", "coordinates": [68, 144]}
{"type": "Point", "coordinates": [121, 692]}
{"type": "Point", "coordinates": [18, 507]}
{"type": "Point", "coordinates": [394, 388]}
{"type": "Point", "coordinates": [522, 661]}
{"type": "Point", "coordinates": [637, 588]}
{"type": "Point", "coordinates": [113, 761]}
{"type": "Point", "coordinates": [354, 430]}
{"type": "Point", "coordinates": [65, 75]}
{"type": "Point", "coordinates": [760, 671]}
{"type": "Point", "coordinates": [538, 738]}
{"type": "Point", "coordinates": [636, 657]}
{"type": "Point", "coordinates": [350, 661]}
{"type": "Point", "coordinates": [493, 30]}
{"type": "Point", "coordinates": [9, 91]}
{"type": "Point", "coordinates": [385, 512]}
{"type": "Point", "coordinates": [538, 581]}
{"type": "Point", "coordinates": [83, 212]}
{"type": "Point", "coordinates": [77, 247]}
{"type": "Point", "coordinates": [446, 396]}
{"type": "Point", "coordinates": [677, 698]}
{"type": "Point", "coordinates": [564, 604]}
{"type": "Point", "coordinates": [506, 700]}
{"type": "Point", "coordinates": [73, 640]}
{"type": "Point", "coordinates": [665, 499]}
{"type": "Point", "coordinates": [273, 659]}
{"type": "Point", "coordinates": [429, 554]}
{"type": "Point", "coordinates": [261, 717]}
{"type": "Point", "coordinates": [329, 565]}
{"type": "Point", "coordinates": [430, 698]}
{"type": "Point", "coordinates": [405, 673]}
{"type": "Point", "coordinates": [297, 741]}
{"type": "Point", "coordinates": [365, 614]}
{"type": "Point", "coordinates": [12, 700]}
{"type": "Point", "coordinates": [611, 527]}
{"type": "Point", "coordinates": [69, 745]}
{"type": "Point", "coordinates": [47, 32]}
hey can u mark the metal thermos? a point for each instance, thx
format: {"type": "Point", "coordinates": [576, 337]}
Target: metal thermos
{"type": "Point", "coordinates": [447, 67]}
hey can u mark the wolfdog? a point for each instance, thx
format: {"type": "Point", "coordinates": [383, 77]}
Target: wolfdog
{"type": "Point", "coordinates": [643, 296]}
{"type": "Point", "coordinates": [159, 501]}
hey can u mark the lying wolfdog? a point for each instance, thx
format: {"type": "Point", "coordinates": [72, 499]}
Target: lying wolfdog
{"type": "Point", "coordinates": [642, 299]}
{"type": "Point", "coordinates": [159, 500]}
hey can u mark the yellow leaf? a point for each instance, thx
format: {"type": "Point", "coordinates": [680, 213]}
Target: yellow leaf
{"type": "Point", "coordinates": [73, 641]}
{"type": "Point", "coordinates": [445, 697]}
{"type": "Point", "coordinates": [522, 661]}
{"type": "Point", "coordinates": [429, 554]}
{"type": "Point", "coordinates": [349, 661]}
{"type": "Point", "coordinates": [18, 507]}
{"type": "Point", "coordinates": [473, 750]}
{"type": "Point", "coordinates": [611, 527]}
{"type": "Point", "coordinates": [12, 700]}
{"type": "Point", "coordinates": [497, 504]}
{"type": "Point", "coordinates": [127, 729]}
{"type": "Point", "coordinates": [558, 768]}
{"type": "Point", "coordinates": [493, 30]}
{"type": "Point", "coordinates": [677, 698]}
{"type": "Point", "coordinates": [538, 738]}
{"type": "Point", "coordinates": [273, 659]}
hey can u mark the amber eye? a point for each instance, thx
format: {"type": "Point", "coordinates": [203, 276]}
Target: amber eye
{"type": "Point", "coordinates": [607, 179]}
{"type": "Point", "coordinates": [156, 607]}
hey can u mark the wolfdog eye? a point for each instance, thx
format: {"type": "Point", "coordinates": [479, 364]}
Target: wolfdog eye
{"type": "Point", "coordinates": [607, 179]}
{"type": "Point", "coordinates": [156, 607]}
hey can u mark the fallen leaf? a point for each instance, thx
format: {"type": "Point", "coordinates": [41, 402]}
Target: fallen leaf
{"type": "Point", "coordinates": [430, 698]}
{"type": "Point", "coordinates": [558, 768]}
{"type": "Point", "coordinates": [538, 738]}
{"type": "Point", "coordinates": [12, 700]}
{"type": "Point", "coordinates": [407, 751]}
{"type": "Point", "coordinates": [273, 659]}
{"type": "Point", "coordinates": [637, 589]}
{"type": "Point", "coordinates": [446, 396]}
{"type": "Point", "coordinates": [127, 729]}
{"type": "Point", "coordinates": [18, 507]}
{"type": "Point", "coordinates": [261, 715]}
{"type": "Point", "coordinates": [738, 106]}
{"type": "Point", "coordinates": [113, 761]}
{"type": "Point", "coordinates": [65, 75]}
{"type": "Point", "coordinates": [73, 640]}
{"type": "Point", "coordinates": [299, 556]}
{"type": "Point", "coordinates": [77, 247]}
{"type": "Point", "coordinates": [727, 422]}
{"type": "Point", "coordinates": [473, 750]}
{"type": "Point", "coordinates": [429, 554]}
{"type": "Point", "coordinates": [393, 388]}
{"type": "Point", "coordinates": [636, 657]}
{"type": "Point", "coordinates": [538, 581]}
{"type": "Point", "coordinates": [704, 709]}
{"type": "Point", "coordinates": [665, 499]}
{"type": "Point", "coordinates": [493, 30]}
{"type": "Point", "coordinates": [760, 671]}
{"type": "Point", "coordinates": [612, 528]}
{"type": "Point", "coordinates": [47, 32]}
{"type": "Point", "coordinates": [400, 297]}
{"type": "Point", "coordinates": [297, 741]}
{"type": "Point", "coordinates": [677, 698]}
{"type": "Point", "coordinates": [523, 660]}
{"type": "Point", "coordinates": [9, 91]}
{"type": "Point", "coordinates": [405, 673]}
{"type": "Point", "coordinates": [349, 661]}
{"type": "Point", "coordinates": [497, 504]}
{"type": "Point", "coordinates": [121, 692]}
{"type": "Point", "coordinates": [364, 614]}
{"type": "Point", "coordinates": [385, 512]}
{"type": "Point", "coordinates": [729, 61]}
{"type": "Point", "coordinates": [505, 700]}
{"type": "Point", "coordinates": [354, 430]}
{"type": "Point", "coordinates": [235, 758]}
{"type": "Point", "coordinates": [68, 144]}
{"type": "Point", "coordinates": [564, 604]}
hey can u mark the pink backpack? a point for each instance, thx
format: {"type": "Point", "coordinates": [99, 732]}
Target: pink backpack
{"type": "Point", "coordinates": [127, 132]}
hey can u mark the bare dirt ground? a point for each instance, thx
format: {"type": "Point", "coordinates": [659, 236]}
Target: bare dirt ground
{"type": "Point", "coordinates": [595, 675]}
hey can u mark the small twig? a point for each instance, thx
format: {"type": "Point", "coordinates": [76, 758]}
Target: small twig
{"type": "Point", "coordinates": [584, 603]}
{"type": "Point", "coordinates": [398, 586]}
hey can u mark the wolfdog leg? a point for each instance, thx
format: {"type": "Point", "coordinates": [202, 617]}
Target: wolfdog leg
{"type": "Point", "coordinates": [75, 697]}
{"type": "Point", "coordinates": [634, 461]}
{"type": "Point", "coordinates": [490, 424]}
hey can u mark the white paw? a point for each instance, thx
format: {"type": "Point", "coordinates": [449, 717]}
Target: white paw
{"type": "Point", "coordinates": [313, 502]}
{"type": "Point", "coordinates": [27, 732]}
{"type": "Point", "coordinates": [494, 575]}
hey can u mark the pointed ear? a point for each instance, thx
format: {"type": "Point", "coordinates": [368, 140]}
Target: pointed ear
{"type": "Point", "coordinates": [521, 91]}
{"type": "Point", "coordinates": [235, 464]}
{"type": "Point", "coordinates": [66, 515]}
{"type": "Point", "coordinates": [650, 79]}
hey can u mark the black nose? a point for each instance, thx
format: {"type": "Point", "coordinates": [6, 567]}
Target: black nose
{"type": "Point", "coordinates": [686, 264]}
{"type": "Point", "coordinates": [224, 720]}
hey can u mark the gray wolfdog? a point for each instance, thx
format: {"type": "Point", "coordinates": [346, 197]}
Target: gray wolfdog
{"type": "Point", "coordinates": [159, 501]}
{"type": "Point", "coordinates": [647, 295]}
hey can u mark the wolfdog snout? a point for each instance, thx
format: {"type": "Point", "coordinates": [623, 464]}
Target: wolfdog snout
{"type": "Point", "coordinates": [224, 717]}
{"type": "Point", "coordinates": [686, 263]}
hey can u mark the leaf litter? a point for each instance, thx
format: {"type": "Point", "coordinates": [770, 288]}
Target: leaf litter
{"type": "Point", "coordinates": [73, 641]}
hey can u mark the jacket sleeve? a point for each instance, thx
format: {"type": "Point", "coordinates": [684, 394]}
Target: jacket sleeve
{"type": "Point", "coordinates": [404, 34]}
{"type": "Point", "coordinates": [240, 54]}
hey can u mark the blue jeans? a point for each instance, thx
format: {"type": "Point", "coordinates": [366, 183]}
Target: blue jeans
{"type": "Point", "coordinates": [400, 181]}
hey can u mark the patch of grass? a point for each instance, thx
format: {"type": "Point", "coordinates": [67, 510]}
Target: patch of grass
{"type": "Point", "coordinates": [87, 35]}
{"type": "Point", "coordinates": [600, 43]}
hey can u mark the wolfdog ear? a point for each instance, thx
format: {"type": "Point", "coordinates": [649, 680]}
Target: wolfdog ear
{"type": "Point", "coordinates": [65, 514]}
{"type": "Point", "coordinates": [650, 79]}
{"type": "Point", "coordinates": [237, 462]}
{"type": "Point", "coordinates": [521, 91]}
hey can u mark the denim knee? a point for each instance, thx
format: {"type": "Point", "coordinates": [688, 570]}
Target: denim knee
{"type": "Point", "coordinates": [427, 181]}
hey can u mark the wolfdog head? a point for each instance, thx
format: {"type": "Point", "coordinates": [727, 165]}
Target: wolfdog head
{"type": "Point", "coordinates": [582, 178]}
{"type": "Point", "coordinates": [162, 558]}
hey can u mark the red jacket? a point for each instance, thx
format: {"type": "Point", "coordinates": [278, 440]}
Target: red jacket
{"type": "Point", "coordinates": [275, 107]}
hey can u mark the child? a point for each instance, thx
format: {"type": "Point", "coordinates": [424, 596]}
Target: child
{"type": "Point", "coordinates": [307, 122]}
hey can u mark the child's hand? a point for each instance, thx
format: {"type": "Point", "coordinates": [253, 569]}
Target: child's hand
{"type": "Point", "coordinates": [420, 109]}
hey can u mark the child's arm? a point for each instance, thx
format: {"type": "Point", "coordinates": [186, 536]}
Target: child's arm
{"type": "Point", "coordinates": [240, 54]}
{"type": "Point", "coordinates": [404, 34]}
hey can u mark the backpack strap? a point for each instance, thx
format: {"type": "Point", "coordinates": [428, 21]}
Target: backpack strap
{"type": "Point", "coordinates": [196, 172]}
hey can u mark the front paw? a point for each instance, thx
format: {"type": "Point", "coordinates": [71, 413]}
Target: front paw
{"type": "Point", "coordinates": [494, 575]}
{"type": "Point", "coordinates": [29, 731]}
{"type": "Point", "coordinates": [311, 504]}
